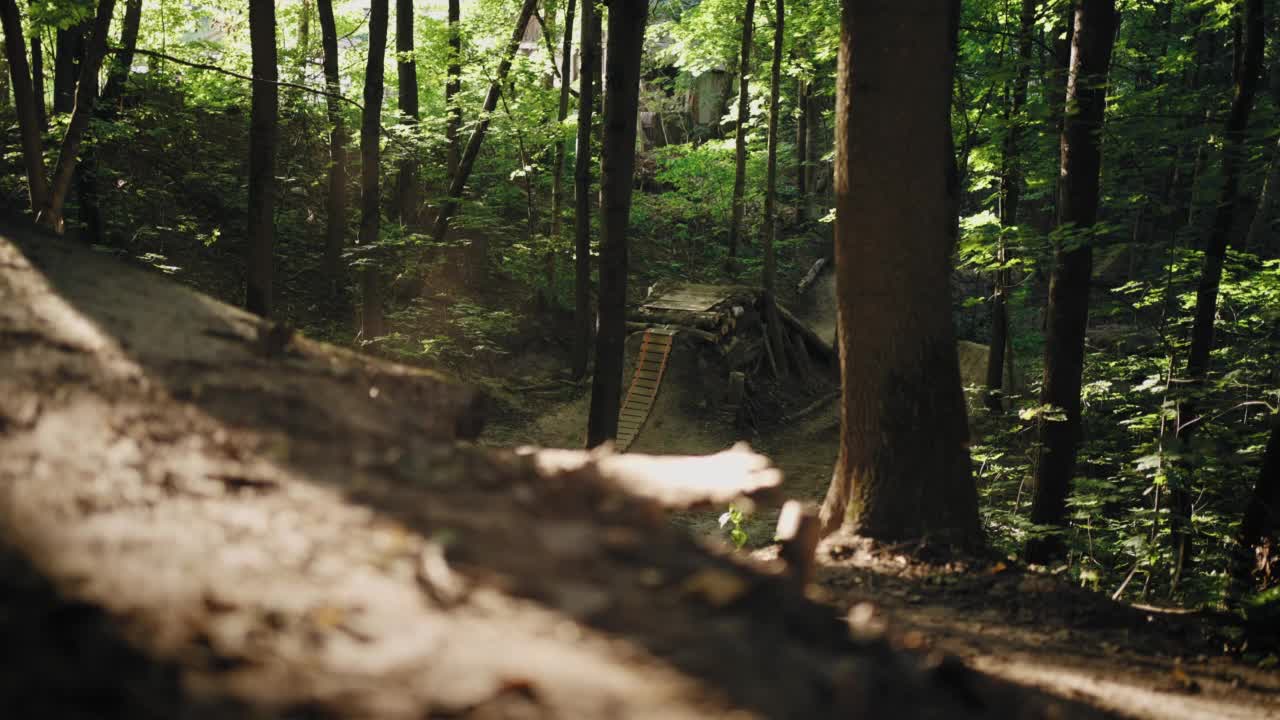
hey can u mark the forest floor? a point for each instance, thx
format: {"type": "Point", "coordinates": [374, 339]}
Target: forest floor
{"type": "Point", "coordinates": [202, 519]}
{"type": "Point", "coordinates": [1030, 627]}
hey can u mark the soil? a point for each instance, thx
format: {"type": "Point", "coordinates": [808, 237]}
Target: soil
{"type": "Point", "coordinates": [203, 516]}
{"type": "Point", "coordinates": [1031, 628]}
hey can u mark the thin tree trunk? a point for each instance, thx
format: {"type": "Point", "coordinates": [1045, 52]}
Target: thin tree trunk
{"type": "Point", "coordinates": [557, 161]}
{"type": "Point", "coordinates": [1068, 311]}
{"type": "Point", "coordinates": [1010, 195]}
{"type": "Point", "coordinates": [452, 86]}
{"type": "Point", "coordinates": [627, 20]}
{"type": "Point", "coordinates": [262, 153]}
{"type": "Point", "coordinates": [802, 147]}
{"type": "Point", "coordinates": [740, 134]}
{"type": "Point", "coordinates": [1259, 236]}
{"type": "Point", "coordinates": [117, 76]}
{"type": "Point", "coordinates": [123, 62]}
{"type": "Point", "coordinates": [67, 57]}
{"type": "Point", "coordinates": [458, 181]}
{"type": "Point", "coordinates": [26, 103]}
{"type": "Point", "coordinates": [336, 202]}
{"type": "Point", "coordinates": [773, 323]}
{"type": "Point", "coordinates": [304, 41]}
{"type": "Point", "coordinates": [86, 95]}
{"type": "Point", "coordinates": [406, 186]}
{"type": "Point", "coordinates": [903, 468]}
{"type": "Point", "coordinates": [1261, 521]}
{"type": "Point", "coordinates": [1259, 232]}
{"type": "Point", "coordinates": [589, 46]}
{"type": "Point", "coordinates": [372, 324]}
{"type": "Point", "coordinates": [37, 79]}
{"type": "Point", "coordinates": [1248, 68]}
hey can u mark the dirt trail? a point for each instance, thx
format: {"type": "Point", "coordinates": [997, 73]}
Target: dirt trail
{"type": "Point", "coordinates": [202, 517]}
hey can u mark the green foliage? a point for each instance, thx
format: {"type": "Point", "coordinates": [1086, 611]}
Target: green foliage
{"type": "Point", "coordinates": [733, 521]}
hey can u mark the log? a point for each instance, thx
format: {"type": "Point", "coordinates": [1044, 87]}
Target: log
{"type": "Point", "coordinates": [674, 482]}
{"type": "Point", "coordinates": [815, 344]}
{"type": "Point", "coordinates": [633, 326]}
{"type": "Point", "coordinates": [810, 277]}
{"type": "Point", "coordinates": [710, 321]}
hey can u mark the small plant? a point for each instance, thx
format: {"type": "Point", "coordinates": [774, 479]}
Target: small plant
{"type": "Point", "coordinates": [733, 520]}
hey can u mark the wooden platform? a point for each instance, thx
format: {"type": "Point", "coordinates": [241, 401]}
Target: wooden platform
{"type": "Point", "coordinates": [646, 380]}
{"type": "Point", "coordinates": [689, 297]}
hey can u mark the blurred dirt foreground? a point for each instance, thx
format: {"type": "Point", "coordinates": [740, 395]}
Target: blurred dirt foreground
{"type": "Point", "coordinates": [202, 516]}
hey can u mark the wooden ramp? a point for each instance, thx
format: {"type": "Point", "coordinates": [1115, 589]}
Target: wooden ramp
{"type": "Point", "coordinates": [651, 363]}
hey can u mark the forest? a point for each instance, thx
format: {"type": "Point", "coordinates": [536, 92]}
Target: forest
{"type": "Point", "coordinates": [640, 358]}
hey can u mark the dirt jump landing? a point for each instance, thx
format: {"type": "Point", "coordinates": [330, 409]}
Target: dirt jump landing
{"type": "Point", "coordinates": [202, 516]}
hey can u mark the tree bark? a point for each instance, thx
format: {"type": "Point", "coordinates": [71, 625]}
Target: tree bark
{"type": "Point", "coordinates": [903, 468]}
{"type": "Point", "coordinates": [1010, 195]}
{"type": "Point", "coordinates": [304, 41]}
{"type": "Point", "coordinates": [262, 152]}
{"type": "Point", "coordinates": [740, 133]}
{"type": "Point", "coordinates": [37, 79]}
{"type": "Point", "coordinates": [372, 324]}
{"type": "Point", "coordinates": [406, 184]}
{"type": "Point", "coordinates": [627, 20]}
{"type": "Point", "coordinates": [1261, 522]}
{"type": "Point", "coordinates": [105, 109]}
{"type": "Point", "coordinates": [1257, 239]}
{"type": "Point", "coordinates": [1068, 310]}
{"type": "Point", "coordinates": [452, 86]}
{"type": "Point", "coordinates": [86, 95]}
{"type": "Point", "coordinates": [458, 181]}
{"type": "Point", "coordinates": [589, 46]}
{"type": "Point", "coordinates": [336, 200]}
{"type": "Point", "coordinates": [557, 162]}
{"type": "Point", "coordinates": [1247, 69]}
{"type": "Point", "coordinates": [67, 57]}
{"type": "Point", "coordinates": [802, 146]}
{"type": "Point", "coordinates": [122, 63]}
{"type": "Point", "coordinates": [26, 103]}
{"type": "Point", "coordinates": [773, 325]}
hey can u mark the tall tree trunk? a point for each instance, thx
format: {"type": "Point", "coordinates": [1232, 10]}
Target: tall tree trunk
{"type": "Point", "coordinates": [903, 468]}
{"type": "Point", "coordinates": [772, 320]}
{"type": "Point", "coordinates": [67, 57]}
{"type": "Point", "coordinates": [372, 324]}
{"type": "Point", "coordinates": [627, 20]}
{"type": "Point", "coordinates": [336, 201]}
{"type": "Point", "coordinates": [25, 102]}
{"type": "Point", "coordinates": [1010, 194]}
{"type": "Point", "coordinates": [304, 41]}
{"type": "Point", "coordinates": [86, 95]}
{"type": "Point", "coordinates": [407, 67]}
{"type": "Point", "coordinates": [1068, 311]}
{"type": "Point", "coordinates": [122, 63]}
{"type": "Point", "coordinates": [802, 146]}
{"type": "Point", "coordinates": [262, 154]}
{"type": "Point", "coordinates": [458, 181]}
{"type": "Point", "coordinates": [1258, 237]}
{"type": "Point", "coordinates": [452, 86]}
{"type": "Point", "coordinates": [589, 46]}
{"type": "Point", "coordinates": [557, 161]}
{"type": "Point", "coordinates": [740, 134]}
{"type": "Point", "coordinates": [1248, 67]}
{"type": "Point", "coordinates": [1261, 523]}
{"type": "Point", "coordinates": [37, 79]}
{"type": "Point", "coordinates": [117, 76]}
